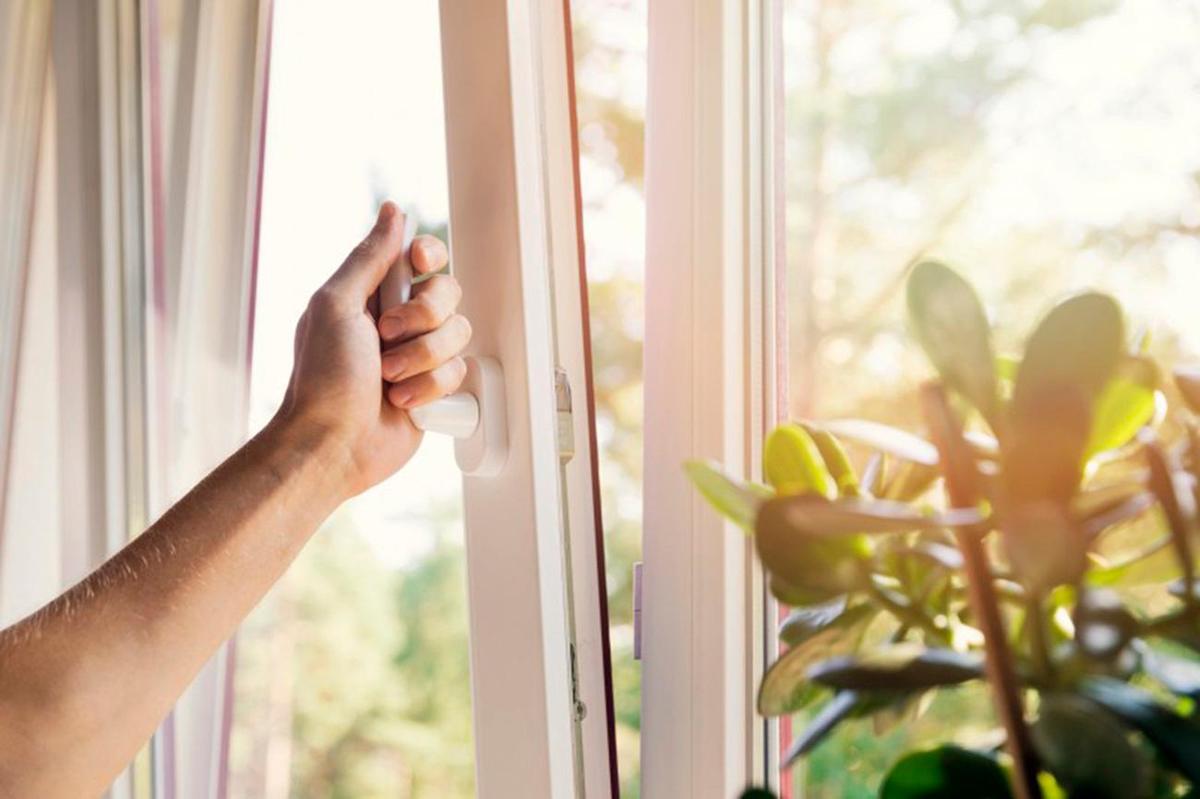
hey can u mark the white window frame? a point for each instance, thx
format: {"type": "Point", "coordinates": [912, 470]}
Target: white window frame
{"type": "Point", "coordinates": [532, 561]}
{"type": "Point", "coordinates": [712, 392]}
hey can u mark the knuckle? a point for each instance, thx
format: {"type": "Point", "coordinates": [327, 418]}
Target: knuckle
{"type": "Point", "coordinates": [363, 250]}
{"type": "Point", "coordinates": [324, 301]}
{"type": "Point", "coordinates": [458, 372]}
{"type": "Point", "coordinates": [463, 326]}
{"type": "Point", "coordinates": [450, 376]}
{"type": "Point", "coordinates": [426, 312]}
{"type": "Point", "coordinates": [426, 351]}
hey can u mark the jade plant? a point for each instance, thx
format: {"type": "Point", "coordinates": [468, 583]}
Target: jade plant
{"type": "Point", "coordinates": [1037, 533]}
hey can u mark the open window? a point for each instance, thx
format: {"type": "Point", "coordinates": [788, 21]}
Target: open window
{"type": "Point", "coordinates": [167, 198]}
{"type": "Point", "coordinates": [801, 156]}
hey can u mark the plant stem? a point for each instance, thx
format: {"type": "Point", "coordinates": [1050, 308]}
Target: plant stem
{"type": "Point", "coordinates": [1038, 644]}
{"type": "Point", "coordinates": [1163, 487]}
{"type": "Point", "coordinates": [962, 487]}
{"type": "Point", "coordinates": [909, 614]}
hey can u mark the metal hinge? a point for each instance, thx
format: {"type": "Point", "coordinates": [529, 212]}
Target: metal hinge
{"type": "Point", "coordinates": [637, 610]}
{"type": "Point", "coordinates": [565, 415]}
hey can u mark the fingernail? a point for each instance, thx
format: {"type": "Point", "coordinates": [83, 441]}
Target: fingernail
{"type": "Point", "coordinates": [386, 212]}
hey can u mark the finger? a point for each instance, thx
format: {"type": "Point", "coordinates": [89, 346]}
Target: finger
{"type": "Point", "coordinates": [428, 386]}
{"type": "Point", "coordinates": [428, 254]}
{"type": "Point", "coordinates": [434, 300]}
{"type": "Point", "coordinates": [363, 270]}
{"type": "Point", "coordinates": [426, 352]}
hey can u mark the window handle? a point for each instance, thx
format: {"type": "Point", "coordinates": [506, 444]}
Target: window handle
{"type": "Point", "coordinates": [474, 416]}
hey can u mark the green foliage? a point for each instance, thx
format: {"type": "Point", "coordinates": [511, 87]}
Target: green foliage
{"type": "Point", "coordinates": [896, 586]}
{"type": "Point", "coordinates": [947, 772]}
{"type": "Point", "coordinates": [948, 319]}
{"type": "Point", "coordinates": [1089, 752]}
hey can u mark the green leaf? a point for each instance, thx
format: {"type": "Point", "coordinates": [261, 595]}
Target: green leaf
{"type": "Point", "coordinates": [898, 668]}
{"type": "Point", "coordinates": [948, 320]}
{"type": "Point", "coordinates": [733, 500]}
{"type": "Point", "coordinates": [1100, 509]}
{"type": "Point", "coordinates": [947, 772]}
{"type": "Point", "coordinates": [884, 438]}
{"type": "Point", "coordinates": [1087, 751]}
{"type": "Point", "coordinates": [785, 687]}
{"type": "Point", "coordinates": [813, 543]}
{"type": "Point", "coordinates": [792, 463]}
{"type": "Point", "coordinates": [836, 462]}
{"type": "Point", "coordinates": [1153, 564]}
{"type": "Point", "coordinates": [757, 793]}
{"type": "Point", "coordinates": [909, 481]}
{"type": "Point", "coordinates": [796, 596]}
{"type": "Point", "coordinates": [842, 706]}
{"type": "Point", "coordinates": [1078, 344]}
{"type": "Point", "coordinates": [803, 623]}
{"type": "Point", "coordinates": [1176, 738]}
{"type": "Point", "coordinates": [1069, 358]}
{"type": "Point", "coordinates": [1124, 406]}
{"type": "Point", "coordinates": [819, 516]}
{"type": "Point", "coordinates": [1045, 545]}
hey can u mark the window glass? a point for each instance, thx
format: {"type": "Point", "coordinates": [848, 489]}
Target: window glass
{"type": "Point", "coordinates": [1039, 147]}
{"type": "Point", "coordinates": [610, 80]}
{"type": "Point", "coordinates": [352, 678]}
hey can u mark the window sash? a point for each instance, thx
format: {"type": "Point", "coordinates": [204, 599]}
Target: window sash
{"type": "Point", "coordinates": [533, 576]}
{"type": "Point", "coordinates": [711, 393]}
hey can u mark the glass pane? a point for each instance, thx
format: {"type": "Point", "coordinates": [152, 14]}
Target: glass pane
{"type": "Point", "coordinates": [352, 677]}
{"type": "Point", "coordinates": [610, 70]}
{"type": "Point", "coordinates": [1040, 147]}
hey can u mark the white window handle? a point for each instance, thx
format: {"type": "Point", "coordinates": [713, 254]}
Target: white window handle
{"type": "Point", "coordinates": [475, 416]}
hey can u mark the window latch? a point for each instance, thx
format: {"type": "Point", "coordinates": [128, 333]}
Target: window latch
{"type": "Point", "coordinates": [475, 416]}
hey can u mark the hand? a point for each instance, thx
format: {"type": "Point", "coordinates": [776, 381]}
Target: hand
{"type": "Point", "coordinates": [342, 386]}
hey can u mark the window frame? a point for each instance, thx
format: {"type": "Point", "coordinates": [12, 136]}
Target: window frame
{"type": "Point", "coordinates": [713, 389]}
{"type": "Point", "coordinates": [535, 588]}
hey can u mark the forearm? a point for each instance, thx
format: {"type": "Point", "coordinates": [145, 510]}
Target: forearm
{"type": "Point", "coordinates": [85, 680]}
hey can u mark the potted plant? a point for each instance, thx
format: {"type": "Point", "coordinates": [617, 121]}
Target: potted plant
{"type": "Point", "coordinates": [1038, 534]}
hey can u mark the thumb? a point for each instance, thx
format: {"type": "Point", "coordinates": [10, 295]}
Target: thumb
{"type": "Point", "coordinates": [364, 268]}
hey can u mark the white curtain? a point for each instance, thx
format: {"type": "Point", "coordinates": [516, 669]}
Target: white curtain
{"type": "Point", "coordinates": [24, 44]}
{"type": "Point", "coordinates": [139, 249]}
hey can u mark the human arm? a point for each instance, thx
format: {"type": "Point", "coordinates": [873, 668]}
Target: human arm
{"type": "Point", "coordinates": [86, 679]}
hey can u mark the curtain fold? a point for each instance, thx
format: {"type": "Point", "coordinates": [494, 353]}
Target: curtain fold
{"type": "Point", "coordinates": [207, 110]}
{"type": "Point", "coordinates": [139, 337]}
{"type": "Point", "coordinates": [24, 58]}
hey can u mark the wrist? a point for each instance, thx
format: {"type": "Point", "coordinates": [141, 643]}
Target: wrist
{"type": "Point", "coordinates": [317, 449]}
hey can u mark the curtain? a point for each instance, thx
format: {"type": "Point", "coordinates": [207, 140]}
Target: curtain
{"type": "Point", "coordinates": [125, 379]}
{"type": "Point", "coordinates": [24, 48]}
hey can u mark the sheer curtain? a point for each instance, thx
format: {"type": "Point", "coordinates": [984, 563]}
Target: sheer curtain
{"type": "Point", "coordinates": [24, 44]}
{"type": "Point", "coordinates": [126, 376]}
